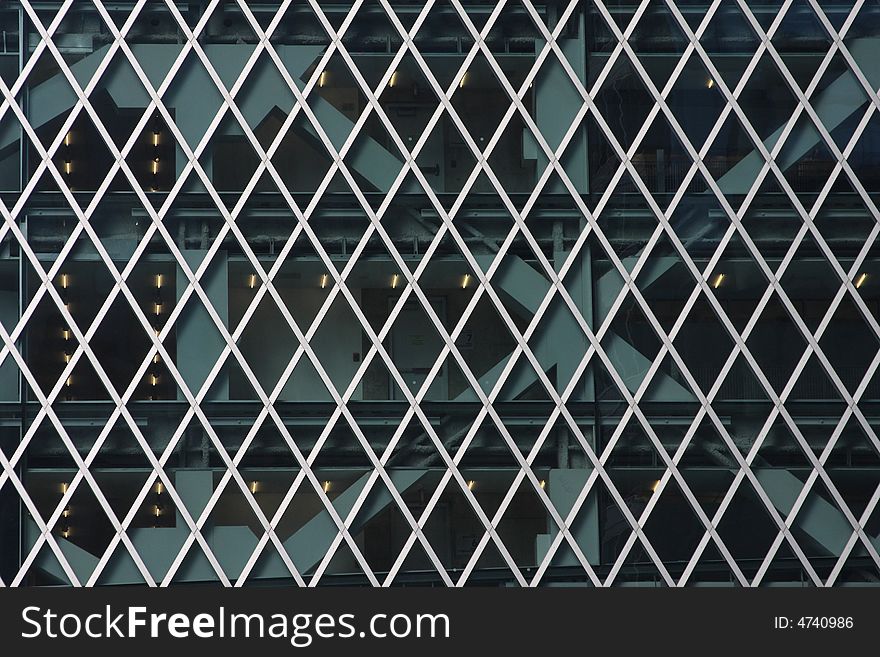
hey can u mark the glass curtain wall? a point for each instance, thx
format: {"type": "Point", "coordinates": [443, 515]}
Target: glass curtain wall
{"type": "Point", "coordinates": [556, 293]}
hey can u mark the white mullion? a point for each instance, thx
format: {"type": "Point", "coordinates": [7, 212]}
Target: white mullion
{"type": "Point", "coordinates": [226, 351]}
{"type": "Point", "coordinates": [334, 291]}
{"type": "Point", "coordinates": [613, 141]}
{"type": "Point", "coordinates": [389, 364]}
{"type": "Point", "coordinates": [352, 387]}
{"type": "Point", "coordinates": [495, 264]}
{"type": "Point", "coordinates": [84, 343]}
{"type": "Point", "coordinates": [220, 326]}
{"type": "Point", "coordinates": [57, 264]}
{"type": "Point", "coordinates": [127, 293]}
{"type": "Point", "coordinates": [480, 159]}
{"type": "Point", "coordinates": [850, 544]}
{"type": "Point", "coordinates": [549, 270]}
{"type": "Point", "coordinates": [9, 473]}
{"type": "Point", "coordinates": [170, 323]}
{"type": "Point", "coordinates": [484, 286]}
{"type": "Point", "coordinates": [392, 132]}
{"type": "Point", "coordinates": [392, 370]}
{"type": "Point", "coordinates": [373, 101]}
{"type": "Point", "coordinates": [91, 482]}
{"type": "Point", "coordinates": [548, 152]}
{"type": "Point", "coordinates": [683, 252]}
{"type": "Point", "coordinates": [317, 363]}
{"type": "Point", "coordinates": [811, 456]}
{"type": "Point", "coordinates": [813, 341]}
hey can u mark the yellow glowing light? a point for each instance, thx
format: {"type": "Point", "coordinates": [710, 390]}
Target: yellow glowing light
{"type": "Point", "coordinates": [66, 334]}
{"type": "Point", "coordinates": [654, 486]}
{"type": "Point", "coordinates": [67, 139]}
{"type": "Point", "coordinates": [393, 80]}
{"type": "Point", "coordinates": [252, 281]}
{"type": "Point", "coordinates": [159, 488]}
{"type": "Point", "coordinates": [464, 78]}
{"type": "Point", "coordinates": [64, 488]}
{"type": "Point", "coordinates": [323, 79]}
{"type": "Point", "coordinates": [68, 167]}
{"type": "Point", "coordinates": [65, 532]}
{"type": "Point", "coordinates": [156, 359]}
{"type": "Point", "coordinates": [69, 381]}
{"type": "Point", "coordinates": [65, 281]}
{"type": "Point", "coordinates": [326, 486]}
{"type": "Point", "coordinates": [157, 308]}
{"type": "Point", "coordinates": [394, 280]}
{"type": "Point", "coordinates": [157, 511]}
{"type": "Point", "coordinates": [719, 279]}
{"type": "Point", "coordinates": [710, 83]}
{"type": "Point", "coordinates": [465, 281]}
{"type": "Point", "coordinates": [471, 483]}
{"type": "Point", "coordinates": [254, 487]}
{"type": "Point", "coordinates": [543, 484]}
{"type": "Point", "coordinates": [154, 167]}
{"type": "Point", "coordinates": [155, 138]}
{"type": "Point", "coordinates": [323, 281]}
{"type": "Point", "coordinates": [861, 280]}
{"type": "Point", "coordinates": [158, 281]}
{"type": "Point", "coordinates": [66, 357]}
{"type": "Point", "coordinates": [66, 512]}
{"type": "Point", "coordinates": [153, 379]}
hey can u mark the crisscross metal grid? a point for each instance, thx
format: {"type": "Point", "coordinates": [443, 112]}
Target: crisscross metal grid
{"type": "Point", "coordinates": [411, 289]}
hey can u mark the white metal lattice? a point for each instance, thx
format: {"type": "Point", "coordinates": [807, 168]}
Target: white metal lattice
{"type": "Point", "coordinates": [192, 52]}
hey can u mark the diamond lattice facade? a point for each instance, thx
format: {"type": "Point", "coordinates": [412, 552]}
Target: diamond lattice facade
{"type": "Point", "coordinates": [440, 293]}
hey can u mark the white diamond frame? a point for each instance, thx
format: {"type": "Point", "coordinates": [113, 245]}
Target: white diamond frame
{"type": "Point", "coordinates": [555, 274]}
